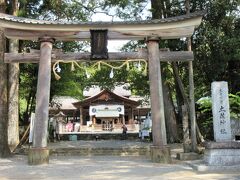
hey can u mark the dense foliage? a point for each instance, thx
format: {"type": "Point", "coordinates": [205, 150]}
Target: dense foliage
{"type": "Point", "coordinates": [217, 46]}
{"type": "Point", "coordinates": [204, 113]}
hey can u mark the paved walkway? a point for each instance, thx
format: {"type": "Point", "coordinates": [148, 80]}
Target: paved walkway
{"type": "Point", "coordinates": [103, 168]}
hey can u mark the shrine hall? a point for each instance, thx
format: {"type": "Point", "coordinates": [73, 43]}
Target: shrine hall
{"type": "Point", "coordinates": [102, 111]}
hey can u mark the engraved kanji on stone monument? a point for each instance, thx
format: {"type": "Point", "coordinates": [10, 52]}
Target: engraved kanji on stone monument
{"type": "Point", "coordinates": [220, 109]}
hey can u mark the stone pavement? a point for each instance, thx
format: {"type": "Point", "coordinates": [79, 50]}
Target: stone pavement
{"type": "Point", "coordinates": [104, 167]}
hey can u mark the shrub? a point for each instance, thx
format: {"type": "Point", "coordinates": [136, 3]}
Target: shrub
{"type": "Point", "coordinates": [205, 117]}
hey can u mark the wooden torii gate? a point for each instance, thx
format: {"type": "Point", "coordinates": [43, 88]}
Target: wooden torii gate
{"type": "Point", "coordinates": [46, 32]}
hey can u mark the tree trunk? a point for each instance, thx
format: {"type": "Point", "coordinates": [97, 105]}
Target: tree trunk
{"type": "Point", "coordinates": [4, 149]}
{"type": "Point", "coordinates": [180, 102]}
{"type": "Point", "coordinates": [192, 113]}
{"type": "Point", "coordinates": [170, 115]}
{"type": "Point", "coordinates": [184, 108]}
{"type": "Point", "coordinates": [157, 9]}
{"type": "Point", "coordinates": [185, 127]}
{"type": "Point", "coordinates": [13, 87]}
{"type": "Point", "coordinates": [183, 95]}
{"type": "Point", "coordinates": [26, 113]}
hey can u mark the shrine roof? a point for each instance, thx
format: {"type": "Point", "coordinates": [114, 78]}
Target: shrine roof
{"type": "Point", "coordinates": [119, 89]}
{"type": "Point", "coordinates": [88, 101]}
{"type": "Point", "coordinates": [32, 29]}
{"type": "Point", "coordinates": [64, 103]}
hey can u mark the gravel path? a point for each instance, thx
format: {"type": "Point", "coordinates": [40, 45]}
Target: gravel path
{"type": "Point", "coordinates": [102, 167]}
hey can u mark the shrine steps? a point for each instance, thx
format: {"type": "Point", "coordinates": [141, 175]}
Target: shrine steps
{"type": "Point", "coordinates": [120, 151]}
{"type": "Point", "coordinates": [96, 148]}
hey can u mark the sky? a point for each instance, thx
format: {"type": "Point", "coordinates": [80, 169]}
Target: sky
{"type": "Point", "coordinates": [116, 45]}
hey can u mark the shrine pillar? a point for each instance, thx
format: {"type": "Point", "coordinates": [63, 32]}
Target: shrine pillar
{"type": "Point", "coordinates": [81, 116]}
{"type": "Point", "coordinates": [160, 152]}
{"type": "Point", "coordinates": [123, 119]}
{"type": "Point", "coordinates": [94, 120]}
{"type": "Point", "coordinates": [131, 118]}
{"type": "Point", "coordinates": [39, 153]}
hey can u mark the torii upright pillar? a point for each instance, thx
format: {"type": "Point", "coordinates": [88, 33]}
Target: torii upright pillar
{"type": "Point", "coordinates": [160, 152]}
{"type": "Point", "coordinates": [39, 153]}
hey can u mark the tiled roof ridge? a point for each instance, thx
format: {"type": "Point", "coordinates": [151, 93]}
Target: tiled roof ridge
{"type": "Point", "coordinates": [63, 97]}
{"type": "Point", "coordinates": [103, 91]}
{"type": "Point", "coordinates": [153, 21]}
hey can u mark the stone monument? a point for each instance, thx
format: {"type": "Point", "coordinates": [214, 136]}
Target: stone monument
{"type": "Point", "coordinates": [225, 150]}
{"type": "Point", "coordinates": [220, 111]}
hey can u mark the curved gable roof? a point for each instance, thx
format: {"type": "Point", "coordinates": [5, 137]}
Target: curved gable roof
{"type": "Point", "coordinates": [92, 99]}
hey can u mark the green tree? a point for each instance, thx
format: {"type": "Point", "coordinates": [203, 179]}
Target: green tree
{"type": "Point", "coordinates": [4, 149]}
{"type": "Point", "coordinates": [13, 88]}
{"type": "Point", "coordinates": [216, 45]}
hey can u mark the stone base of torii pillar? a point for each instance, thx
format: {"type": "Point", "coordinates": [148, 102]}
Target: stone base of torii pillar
{"type": "Point", "coordinates": [160, 154]}
{"type": "Point", "coordinates": [188, 154]}
{"type": "Point", "coordinates": [38, 156]}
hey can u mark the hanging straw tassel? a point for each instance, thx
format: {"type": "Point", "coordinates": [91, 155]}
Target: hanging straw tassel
{"type": "Point", "coordinates": [111, 74]}
{"type": "Point", "coordinates": [127, 66]}
{"type": "Point", "coordinates": [54, 68]}
{"type": "Point", "coordinates": [139, 67]}
{"type": "Point", "coordinates": [57, 77]}
{"type": "Point", "coordinates": [99, 65]}
{"type": "Point", "coordinates": [145, 70]}
{"type": "Point", "coordinates": [88, 75]}
{"type": "Point", "coordinates": [72, 67]}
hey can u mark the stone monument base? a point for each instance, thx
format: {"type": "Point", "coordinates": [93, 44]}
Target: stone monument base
{"type": "Point", "coordinates": [37, 156]}
{"type": "Point", "coordinates": [222, 153]}
{"type": "Point", "coordinates": [160, 154]}
{"type": "Point", "coordinates": [200, 165]}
